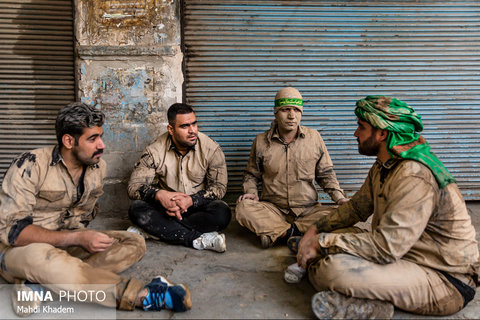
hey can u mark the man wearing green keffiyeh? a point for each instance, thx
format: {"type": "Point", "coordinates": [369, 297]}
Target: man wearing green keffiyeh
{"type": "Point", "coordinates": [402, 124]}
{"type": "Point", "coordinates": [421, 254]}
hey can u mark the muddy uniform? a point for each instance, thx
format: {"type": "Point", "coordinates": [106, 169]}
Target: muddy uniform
{"type": "Point", "coordinates": [37, 189]}
{"type": "Point", "coordinates": [200, 173]}
{"type": "Point", "coordinates": [288, 173]}
{"type": "Point", "coordinates": [421, 254]}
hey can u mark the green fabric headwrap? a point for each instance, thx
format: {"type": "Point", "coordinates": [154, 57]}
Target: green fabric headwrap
{"type": "Point", "coordinates": [403, 123]}
{"type": "Point", "coordinates": [288, 102]}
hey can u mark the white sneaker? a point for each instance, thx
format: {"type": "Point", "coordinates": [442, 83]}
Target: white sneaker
{"type": "Point", "coordinates": [137, 230]}
{"type": "Point", "coordinates": [211, 241]}
{"type": "Point", "coordinates": [294, 273]}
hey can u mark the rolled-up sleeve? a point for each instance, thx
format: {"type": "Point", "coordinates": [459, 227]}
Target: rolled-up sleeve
{"type": "Point", "coordinates": [17, 197]}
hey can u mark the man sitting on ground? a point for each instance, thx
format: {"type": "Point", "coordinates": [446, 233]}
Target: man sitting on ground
{"type": "Point", "coordinates": [287, 159]}
{"type": "Point", "coordinates": [178, 183]}
{"type": "Point", "coordinates": [47, 198]}
{"type": "Point", "coordinates": [421, 255]}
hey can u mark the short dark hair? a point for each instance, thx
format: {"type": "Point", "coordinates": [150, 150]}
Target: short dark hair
{"type": "Point", "coordinates": [178, 108]}
{"type": "Point", "coordinates": [74, 117]}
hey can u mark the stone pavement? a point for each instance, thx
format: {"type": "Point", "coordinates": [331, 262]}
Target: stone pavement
{"type": "Point", "coordinates": [246, 282]}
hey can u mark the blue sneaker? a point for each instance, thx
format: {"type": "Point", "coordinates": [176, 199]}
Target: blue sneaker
{"type": "Point", "coordinates": [162, 294]}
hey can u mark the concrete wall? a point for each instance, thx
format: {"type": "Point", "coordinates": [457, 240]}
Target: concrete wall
{"type": "Point", "coordinates": [129, 65]}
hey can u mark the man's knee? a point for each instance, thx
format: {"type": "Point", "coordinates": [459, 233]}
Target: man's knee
{"type": "Point", "coordinates": [331, 272]}
{"type": "Point", "coordinates": [133, 245]}
{"type": "Point", "coordinates": [33, 255]}
{"type": "Point", "coordinates": [41, 262]}
{"type": "Point", "coordinates": [222, 212]}
{"type": "Point", "coordinates": [243, 210]}
{"type": "Point", "coordinates": [137, 245]}
{"type": "Point", "coordinates": [140, 212]}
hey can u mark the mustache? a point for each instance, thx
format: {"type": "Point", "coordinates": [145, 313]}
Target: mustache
{"type": "Point", "coordinates": [193, 135]}
{"type": "Point", "coordinates": [97, 152]}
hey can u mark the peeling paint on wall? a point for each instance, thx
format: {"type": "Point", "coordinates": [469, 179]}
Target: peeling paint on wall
{"type": "Point", "coordinates": [129, 22]}
{"type": "Point", "coordinates": [129, 65]}
{"type": "Point", "coordinates": [122, 94]}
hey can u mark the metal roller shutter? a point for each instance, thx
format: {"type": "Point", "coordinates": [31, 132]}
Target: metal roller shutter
{"type": "Point", "coordinates": [36, 73]}
{"type": "Point", "coordinates": [427, 53]}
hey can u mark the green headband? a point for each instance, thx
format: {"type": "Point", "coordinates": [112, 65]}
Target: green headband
{"type": "Point", "coordinates": [403, 125]}
{"type": "Point", "coordinates": [288, 102]}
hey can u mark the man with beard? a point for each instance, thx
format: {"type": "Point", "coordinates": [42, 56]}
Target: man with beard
{"type": "Point", "coordinates": [178, 183]}
{"type": "Point", "coordinates": [421, 255]}
{"type": "Point", "coordinates": [47, 199]}
{"type": "Point", "coordinates": [287, 159]}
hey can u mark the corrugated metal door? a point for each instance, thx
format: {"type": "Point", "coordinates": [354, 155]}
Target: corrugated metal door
{"type": "Point", "coordinates": [36, 73]}
{"type": "Point", "coordinates": [427, 53]}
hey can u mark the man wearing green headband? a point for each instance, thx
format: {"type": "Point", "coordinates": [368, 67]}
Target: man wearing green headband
{"type": "Point", "coordinates": [421, 255]}
{"type": "Point", "coordinates": [287, 159]}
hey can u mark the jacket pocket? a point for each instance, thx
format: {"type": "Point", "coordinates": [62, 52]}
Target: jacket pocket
{"type": "Point", "coordinates": [51, 196]}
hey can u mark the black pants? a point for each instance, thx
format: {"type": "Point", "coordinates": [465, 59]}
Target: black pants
{"type": "Point", "coordinates": [152, 218]}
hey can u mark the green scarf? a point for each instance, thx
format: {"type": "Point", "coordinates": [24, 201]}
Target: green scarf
{"type": "Point", "coordinates": [402, 123]}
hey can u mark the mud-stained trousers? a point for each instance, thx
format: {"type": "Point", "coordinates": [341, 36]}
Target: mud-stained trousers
{"type": "Point", "coordinates": [264, 218]}
{"type": "Point", "coordinates": [74, 268]}
{"type": "Point", "coordinates": [408, 286]}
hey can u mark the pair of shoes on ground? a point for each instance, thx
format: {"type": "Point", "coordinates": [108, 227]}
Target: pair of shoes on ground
{"type": "Point", "coordinates": [207, 241]}
{"type": "Point", "coordinates": [163, 294]}
{"type": "Point", "coordinates": [334, 305]}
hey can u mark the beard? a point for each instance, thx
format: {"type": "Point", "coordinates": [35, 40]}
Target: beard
{"type": "Point", "coordinates": [187, 143]}
{"type": "Point", "coordinates": [85, 160]}
{"type": "Point", "coordinates": [369, 147]}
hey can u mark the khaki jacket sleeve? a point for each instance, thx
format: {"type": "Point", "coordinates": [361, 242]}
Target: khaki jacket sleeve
{"type": "Point", "coordinates": [216, 180]}
{"type": "Point", "coordinates": [325, 176]}
{"type": "Point", "coordinates": [18, 198]}
{"type": "Point", "coordinates": [253, 174]}
{"type": "Point", "coordinates": [140, 183]}
{"type": "Point", "coordinates": [359, 208]}
{"type": "Point", "coordinates": [401, 225]}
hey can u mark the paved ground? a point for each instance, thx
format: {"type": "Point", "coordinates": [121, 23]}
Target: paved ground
{"type": "Point", "coordinates": [246, 282]}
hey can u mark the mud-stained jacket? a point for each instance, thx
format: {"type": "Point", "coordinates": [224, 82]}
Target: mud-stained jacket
{"type": "Point", "coordinates": [37, 189]}
{"type": "Point", "coordinates": [201, 173]}
{"type": "Point", "coordinates": [413, 219]}
{"type": "Point", "coordinates": [288, 171]}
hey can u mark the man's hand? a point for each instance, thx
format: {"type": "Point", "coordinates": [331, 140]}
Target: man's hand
{"type": "Point", "coordinates": [165, 199]}
{"type": "Point", "coordinates": [93, 241]}
{"type": "Point", "coordinates": [175, 203]}
{"type": "Point", "coordinates": [342, 201]}
{"type": "Point", "coordinates": [308, 248]}
{"type": "Point", "coordinates": [183, 201]}
{"type": "Point", "coordinates": [247, 196]}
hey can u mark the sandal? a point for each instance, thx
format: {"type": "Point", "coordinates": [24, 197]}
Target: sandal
{"type": "Point", "coordinates": [292, 243]}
